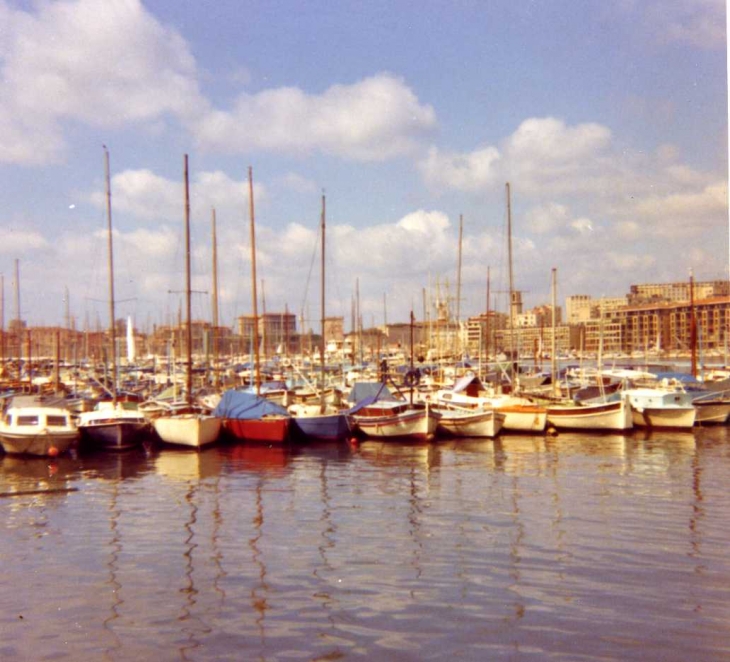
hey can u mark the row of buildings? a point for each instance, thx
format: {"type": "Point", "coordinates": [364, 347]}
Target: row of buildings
{"type": "Point", "coordinates": [651, 317]}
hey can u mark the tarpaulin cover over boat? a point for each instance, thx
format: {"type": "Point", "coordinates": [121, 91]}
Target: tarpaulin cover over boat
{"type": "Point", "coordinates": [247, 406]}
{"type": "Point", "coordinates": [371, 390]}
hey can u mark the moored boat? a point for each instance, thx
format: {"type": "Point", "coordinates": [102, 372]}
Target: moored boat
{"type": "Point", "coordinates": [469, 422]}
{"type": "Point", "coordinates": [249, 417]}
{"type": "Point", "coordinates": [397, 420]}
{"type": "Point", "coordinates": [655, 408]}
{"type": "Point", "coordinates": [309, 423]}
{"type": "Point", "coordinates": [35, 425]}
{"type": "Point", "coordinates": [609, 416]}
{"type": "Point", "coordinates": [192, 429]}
{"type": "Point", "coordinates": [112, 427]}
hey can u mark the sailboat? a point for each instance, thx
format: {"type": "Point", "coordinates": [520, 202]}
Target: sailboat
{"type": "Point", "coordinates": [246, 415]}
{"type": "Point", "coordinates": [607, 413]}
{"type": "Point", "coordinates": [320, 421]}
{"type": "Point", "coordinates": [112, 425]}
{"type": "Point", "coordinates": [188, 428]}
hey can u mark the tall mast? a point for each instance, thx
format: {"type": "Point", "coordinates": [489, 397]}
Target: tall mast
{"type": "Point", "coordinates": [553, 344]}
{"type": "Point", "coordinates": [323, 343]}
{"type": "Point", "coordinates": [215, 301]}
{"type": "Point", "coordinates": [692, 325]}
{"type": "Point", "coordinates": [511, 288]}
{"type": "Point", "coordinates": [110, 253]}
{"type": "Point", "coordinates": [188, 291]}
{"type": "Point", "coordinates": [255, 330]}
{"type": "Point", "coordinates": [18, 325]}
{"type": "Point", "coordinates": [487, 325]}
{"type": "Point", "coordinates": [458, 273]}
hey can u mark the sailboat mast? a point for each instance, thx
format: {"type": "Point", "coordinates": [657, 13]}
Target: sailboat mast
{"type": "Point", "coordinates": [110, 253]}
{"type": "Point", "coordinates": [692, 326]}
{"type": "Point", "coordinates": [215, 302]}
{"type": "Point", "coordinates": [254, 294]}
{"type": "Point", "coordinates": [554, 344]}
{"type": "Point", "coordinates": [323, 343]}
{"type": "Point", "coordinates": [511, 286]}
{"type": "Point", "coordinates": [188, 290]}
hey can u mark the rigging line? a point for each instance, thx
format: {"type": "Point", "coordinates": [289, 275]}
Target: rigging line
{"type": "Point", "coordinates": [311, 268]}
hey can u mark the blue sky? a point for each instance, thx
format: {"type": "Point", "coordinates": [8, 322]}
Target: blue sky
{"type": "Point", "coordinates": [609, 120]}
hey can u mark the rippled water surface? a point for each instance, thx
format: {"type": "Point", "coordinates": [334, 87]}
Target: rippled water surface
{"type": "Point", "coordinates": [575, 547]}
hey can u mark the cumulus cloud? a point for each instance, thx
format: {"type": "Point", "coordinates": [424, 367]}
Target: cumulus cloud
{"type": "Point", "coordinates": [374, 119]}
{"type": "Point", "coordinates": [682, 214]}
{"type": "Point", "coordinates": [17, 241]}
{"type": "Point", "coordinates": [698, 23]}
{"type": "Point", "coordinates": [461, 172]}
{"type": "Point", "coordinates": [100, 63]}
{"type": "Point", "coordinates": [543, 154]}
{"type": "Point", "coordinates": [148, 196]}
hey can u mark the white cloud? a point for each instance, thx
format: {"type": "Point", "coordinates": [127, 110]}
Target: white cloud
{"type": "Point", "coordinates": [682, 214]}
{"type": "Point", "coordinates": [698, 23]}
{"type": "Point", "coordinates": [101, 63]}
{"type": "Point", "coordinates": [18, 241]}
{"type": "Point", "coordinates": [371, 120]}
{"type": "Point", "coordinates": [462, 172]}
{"type": "Point", "coordinates": [547, 218]}
{"type": "Point", "coordinates": [148, 196]}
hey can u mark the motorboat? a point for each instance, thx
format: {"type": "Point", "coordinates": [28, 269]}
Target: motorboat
{"type": "Point", "coordinates": [37, 425]}
{"type": "Point", "coordinates": [111, 426]}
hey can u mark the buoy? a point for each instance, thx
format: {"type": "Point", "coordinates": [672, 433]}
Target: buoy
{"type": "Point", "coordinates": [53, 451]}
{"type": "Point", "coordinates": [552, 431]}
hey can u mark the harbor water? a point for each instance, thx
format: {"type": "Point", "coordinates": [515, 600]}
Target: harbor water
{"type": "Point", "coordinates": [573, 547]}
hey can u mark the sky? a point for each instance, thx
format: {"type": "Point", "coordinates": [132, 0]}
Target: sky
{"type": "Point", "coordinates": [608, 119]}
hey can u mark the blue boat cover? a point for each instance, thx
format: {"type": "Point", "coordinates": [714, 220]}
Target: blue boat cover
{"type": "Point", "coordinates": [372, 390]}
{"type": "Point", "coordinates": [246, 406]}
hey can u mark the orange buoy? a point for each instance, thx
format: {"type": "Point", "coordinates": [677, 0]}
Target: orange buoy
{"type": "Point", "coordinates": [53, 451]}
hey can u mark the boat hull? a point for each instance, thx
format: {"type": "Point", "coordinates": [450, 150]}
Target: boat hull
{"type": "Point", "coordinates": [613, 416]}
{"type": "Point", "coordinates": [712, 412]}
{"type": "Point", "coordinates": [470, 424]}
{"type": "Point", "coordinates": [115, 436]}
{"type": "Point", "coordinates": [411, 424]}
{"type": "Point", "coordinates": [41, 444]}
{"type": "Point", "coordinates": [190, 430]}
{"type": "Point", "coordinates": [269, 429]}
{"type": "Point", "coordinates": [661, 409]}
{"type": "Point", "coordinates": [523, 418]}
{"type": "Point", "coordinates": [325, 427]}
{"type": "Point", "coordinates": [664, 417]}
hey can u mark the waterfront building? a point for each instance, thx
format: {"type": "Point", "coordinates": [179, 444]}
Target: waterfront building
{"type": "Point", "coordinates": [658, 292]}
{"type": "Point", "coordinates": [578, 308]}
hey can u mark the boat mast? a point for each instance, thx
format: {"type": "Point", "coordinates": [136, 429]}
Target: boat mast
{"type": "Point", "coordinates": [188, 292]}
{"type": "Point", "coordinates": [110, 253]}
{"type": "Point", "coordinates": [323, 343]}
{"type": "Point", "coordinates": [215, 302]}
{"type": "Point", "coordinates": [692, 326]}
{"type": "Point", "coordinates": [255, 330]}
{"type": "Point", "coordinates": [553, 346]}
{"type": "Point", "coordinates": [513, 372]}
{"type": "Point", "coordinates": [458, 277]}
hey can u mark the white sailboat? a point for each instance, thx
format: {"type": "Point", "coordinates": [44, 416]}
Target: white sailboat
{"type": "Point", "coordinates": [112, 425]}
{"type": "Point", "coordinates": [190, 428]}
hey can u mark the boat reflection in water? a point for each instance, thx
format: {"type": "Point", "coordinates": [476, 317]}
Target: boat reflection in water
{"type": "Point", "coordinates": [567, 546]}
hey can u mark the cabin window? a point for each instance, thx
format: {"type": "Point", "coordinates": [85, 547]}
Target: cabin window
{"type": "Point", "coordinates": [446, 396]}
{"type": "Point", "coordinates": [27, 420]}
{"type": "Point", "coordinates": [58, 421]}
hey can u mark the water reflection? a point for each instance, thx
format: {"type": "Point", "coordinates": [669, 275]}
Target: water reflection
{"type": "Point", "coordinates": [115, 587]}
{"type": "Point", "coordinates": [260, 590]}
{"type": "Point", "coordinates": [565, 547]}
